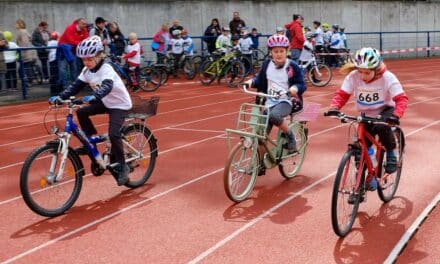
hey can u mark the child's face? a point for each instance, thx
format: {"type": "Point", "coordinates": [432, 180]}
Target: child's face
{"type": "Point", "coordinates": [225, 32]}
{"type": "Point", "coordinates": [132, 40]}
{"type": "Point", "coordinates": [279, 55]}
{"type": "Point", "coordinates": [366, 75]}
{"type": "Point", "coordinates": [235, 42]}
{"type": "Point", "coordinates": [91, 63]}
{"type": "Point", "coordinates": [2, 42]}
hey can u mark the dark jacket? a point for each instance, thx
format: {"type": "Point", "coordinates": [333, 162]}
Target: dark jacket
{"type": "Point", "coordinates": [118, 40]}
{"type": "Point", "coordinates": [236, 25]}
{"type": "Point", "coordinates": [260, 81]}
{"type": "Point", "coordinates": [38, 41]}
{"type": "Point", "coordinates": [212, 32]}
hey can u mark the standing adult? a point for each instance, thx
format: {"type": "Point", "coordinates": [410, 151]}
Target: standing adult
{"type": "Point", "coordinates": [11, 62]}
{"type": "Point", "coordinates": [296, 36]}
{"type": "Point", "coordinates": [40, 37]}
{"type": "Point", "coordinates": [28, 56]}
{"type": "Point", "coordinates": [162, 38]}
{"type": "Point", "coordinates": [236, 23]}
{"type": "Point", "coordinates": [101, 31]}
{"type": "Point", "coordinates": [68, 64]}
{"type": "Point", "coordinates": [3, 69]}
{"type": "Point", "coordinates": [175, 25]}
{"type": "Point", "coordinates": [117, 44]}
{"type": "Point", "coordinates": [211, 34]}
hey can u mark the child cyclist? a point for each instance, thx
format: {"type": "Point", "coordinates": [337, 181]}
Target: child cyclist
{"type": "Point", "coordinates": [109, 96]}
{"type": "Point", "coordinates": [284, 79]}
{"type": "Point", "coordinates": [133, 56]}
{"type": "Point", "coordinates": [369, 78]}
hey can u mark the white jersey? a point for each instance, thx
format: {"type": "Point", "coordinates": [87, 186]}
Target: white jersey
{"type": "Point", "coordinates": [176, 46]}
{"type": "Point", "coordinates": [278, 83]}
{"type": "Point", "coordinates": [118, 98]}
{"type": "Point", "coordinates": [319, 38]}
{"type": "Point", "coordinates": [188, 46]}
{"type": "Point", "coordinates": [11, 55]}
{"type": "Point", "coordinates": [306, 55]}
{"type": "Point", "coordinates": [245, 45]}
{"type": "Point", "coordinates": [136, 59]}
{"type": "Point", "coordinates": [327, 37]}
{"type": "Point", "coordinates": [223, 43]}
{"type": "Point", "coordinates": [372, 98]}
{"type": "Point", "coordinates": [336, 38]}
{"type": "Point", "coordinates": [52, 52]}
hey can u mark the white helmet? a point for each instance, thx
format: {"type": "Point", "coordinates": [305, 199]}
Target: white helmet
{"type": "Point", "coordinates": [89, 47]}
{"type": "Point", "coordinates": [367, 58]}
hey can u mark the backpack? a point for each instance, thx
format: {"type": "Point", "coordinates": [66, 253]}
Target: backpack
{"type": "Point", "coordinates": [155, 46]}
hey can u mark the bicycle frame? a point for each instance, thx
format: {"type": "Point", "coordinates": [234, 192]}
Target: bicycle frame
{"type": "Point", "coordinates": [219, 64]}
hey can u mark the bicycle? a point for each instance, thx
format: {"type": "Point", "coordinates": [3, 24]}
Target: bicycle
{"type": "Point", "coordinates": [318, 74]}
{"type": "Point", "coordinates": [356, 171]}
{"type": "Point", "coordinates": [227, 65]}
{"type": "Point", "coordinates": [243, 162]}
{"type": "Point", "coordinates": [52, 174]}
{"type": "Point", "coordinates": [168, 67]}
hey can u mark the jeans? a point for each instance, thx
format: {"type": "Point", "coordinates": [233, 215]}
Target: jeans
{"type": "Point", "coordinates": [295, 53]}
{"type": "Point", "coordinates": [67, 71]}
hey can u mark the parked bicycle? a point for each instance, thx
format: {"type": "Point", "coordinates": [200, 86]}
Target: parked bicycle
{"type": "Point", "coordinates": [356, 171]}
{"type": "Point", "coordinates": [51, 176]}
{"type": "Point", "coordinates": [318, 74]}
{"type": "Point", "coordinates": [243, 162]}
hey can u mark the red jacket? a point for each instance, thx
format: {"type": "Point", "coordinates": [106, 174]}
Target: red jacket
{"type": "Point", "coordinates": [296, 33]}
{"type": "Point", "coordinates": [72, 36]}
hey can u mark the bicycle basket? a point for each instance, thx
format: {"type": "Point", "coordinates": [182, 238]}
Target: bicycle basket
{"type": "Point", "coordinates": [143, 108]}
{"type": "Point", "coordinates": [310, 112]}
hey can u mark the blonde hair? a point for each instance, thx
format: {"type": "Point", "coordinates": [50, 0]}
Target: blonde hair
{"type": "Point", "coordinates": [21, 24]}
{"type": "Point", "coordinates": [132, 35]}
{"type": "Point", "coordinates": [349, 67]}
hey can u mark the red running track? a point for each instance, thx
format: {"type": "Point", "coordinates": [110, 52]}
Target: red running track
{"type": "Point", "coordinates": [182, 213]}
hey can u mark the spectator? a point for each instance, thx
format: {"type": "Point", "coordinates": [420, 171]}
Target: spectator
{"type": "Point", "coordinates": [3, 69]}
{"type": "Point", "coordinates": [236, 23]}
{"type": "Point", "coordinates": [162, 38]}
{"type": "Point", "coordinates": [245, 43]}
{"type": "Point", "coordinates": [296, 36]}
{"type": "Point", "coordinates": [53, 64]}
{"type": "Point", "coordinates": [176, 45]}
{"type": "Point", "coordinates": [211, 34]}
{"type": "Point", "coordinates": [279, 31]}
{"type": "Point", "coordinates": [319, 36]}
{"type": "Point", "coordinates": [335, 45]}
{"type": "Point", "coordinates": [11, 62]}
{"type": "Point", "coordinates": [101, 31]}
{"type": "Point", "coordinates": [117, 44]}
{"type": "Point", "coordinates": [68, 64]}
{"type": "Point", "coordinates": [28, 56]}
{"type": "Point", "coordinates": [188, 45]}
{"type": "Point", "coordinates": [223, 41]}
{"type": "Point", "coordinates": [40, 37]}
{"type": "Point", "coordinates": [175, 24]}
{"type": "Point", "coordinates": [344, 38]}
{"type": "Point", "coordinates": [255, 35]}
{"type": "Point", "coordinates": [133, 58]}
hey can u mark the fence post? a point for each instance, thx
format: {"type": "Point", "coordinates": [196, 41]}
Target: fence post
{"type": "Point", "coordinates": [429, 44]}
{"type": "Point", "coordinates": [21, 74]}
{"type": "Point", "coordinates": [380, 41]}
{"type": "Point", "coordinates": [201, 46]}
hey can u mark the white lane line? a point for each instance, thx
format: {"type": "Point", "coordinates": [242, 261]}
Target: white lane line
{"type": "Point", "coordinates": [272, 209]}
{"type": "Point", "coordinates": [195, 130]}
{"type": "Point", "coordinates": [411, 230]}
{"type": "Point", "coordinates": [109, 216]}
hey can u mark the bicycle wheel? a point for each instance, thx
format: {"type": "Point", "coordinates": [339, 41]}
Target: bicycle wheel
{"type": "Point", "coordinates": [389, 182]}
{"type": "Point", "coordinates": [141, 141]}
{"type": "Point", "coordinates": [247, 63]}
{"type": "Point", "coordinates": [235, 73]}
{"type": "Point", "coordinates": [163, 75]}
{"type": "Point", "coordinates": [207, 72]}
{"type": "Point", "coordinates": [291, 163]}
{"type": "Point", "coordinates": [188, 69]}
{"type": "Point", "coordinates": [320, 75]}
{"type": "Point", "coordinates": [150, 79]}
{"type": "Point", "coordinates": [40, 193]}
{"type": "Point", "coordinates": [345, 199]}
{"type": "Point", "coordinates": [240, 172]}
{"type": "Point", "coordinates": [196, 60]}
{"type": "Point", "coordinates": [258, 57]}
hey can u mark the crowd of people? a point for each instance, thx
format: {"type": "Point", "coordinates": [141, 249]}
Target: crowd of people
{"type": "Point", "coordinates": [59, 66]}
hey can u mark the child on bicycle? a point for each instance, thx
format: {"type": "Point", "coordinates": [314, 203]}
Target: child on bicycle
{"type": "Point", "coordinates": [223, 41]}
{"type": "Point", "coordinates": [282, 78]}
{"type": "Point", "coordinates": [377, 91]}
{"type": "Point", "coordinates": [109, 96]}
{"type": "Point", "coordinates": [133, 57]}
{"type": "Point", "coordinates": [176, 45]}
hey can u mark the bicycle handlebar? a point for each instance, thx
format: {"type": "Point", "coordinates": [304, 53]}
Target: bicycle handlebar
{"type": "Point", "coordinates": [359, 119]}
{"type": "Point", "coordinates": [71, 102]}
{"type": "Point", "coordinates": [245, 89]}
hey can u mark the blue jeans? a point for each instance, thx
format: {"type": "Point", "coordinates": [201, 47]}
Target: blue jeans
{"type": "Point", "coordinates": [294, 55]}
{"type": "Point", "coordinates": [67, 71]}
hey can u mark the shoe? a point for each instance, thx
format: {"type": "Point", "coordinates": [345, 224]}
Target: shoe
{"type": "Point", "coordinates": [353, 198]}
{"type": "Point", "coordinates": [291, 143]}
{"type": "Point", "coordinates": [391, 165]}
{"type": "Point", "coordinates": [82, 151]}
{"type": "Point", "coordinates": [261, 170]}
{"type": "Point", "coordinates": [121, 172]}
{"type": "Point", "coordinates": [372, 186]}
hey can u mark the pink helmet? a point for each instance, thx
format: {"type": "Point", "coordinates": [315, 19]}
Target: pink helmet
{"type": "Point", "coordinates": [278, 41]}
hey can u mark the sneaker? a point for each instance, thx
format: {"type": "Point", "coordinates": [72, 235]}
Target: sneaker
{"type": "Point", "coordinates": [391, 165]}
{"type": "Point", "coordinates": [121, 171]}
{"type": "Point", "coordinates": [261, 170]}
{"type": "Point", "coordinates": [82, 151]}
{"type": "Point", "coordinates": [291, 144]}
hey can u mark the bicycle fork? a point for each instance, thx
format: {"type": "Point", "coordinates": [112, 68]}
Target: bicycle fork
{"type": "Point", "coordinates": [63, 149]}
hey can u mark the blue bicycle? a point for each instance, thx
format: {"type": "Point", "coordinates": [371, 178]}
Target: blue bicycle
{"type": "Point", "coordinates": [51, 176]}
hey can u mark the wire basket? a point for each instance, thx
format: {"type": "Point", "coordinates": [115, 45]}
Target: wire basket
{"type": "Point", "coordinates": [143, 108]}
{"type": "Point", "coordinates": [310, 112]}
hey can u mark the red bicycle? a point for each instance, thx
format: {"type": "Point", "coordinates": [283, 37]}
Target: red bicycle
{"type": "Point", "coordinates": [356, 171]}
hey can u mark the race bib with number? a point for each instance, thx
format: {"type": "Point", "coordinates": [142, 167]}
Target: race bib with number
{"type": "Point", "coordinates": [368, 97]}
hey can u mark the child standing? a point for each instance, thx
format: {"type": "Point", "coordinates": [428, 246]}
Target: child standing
{"type": "Point", "coordinates": [255, 38]}
{"type": "Point", "coordinates": [188, 45]}
{"type": "Point", "coordinates": [176, 45]}
{"type": "Point", "coordinates": [223, 41]}
{"type": "Point", "coordinates": [53, 64]}
{"type": "Point", "coordinates": [133, 57]}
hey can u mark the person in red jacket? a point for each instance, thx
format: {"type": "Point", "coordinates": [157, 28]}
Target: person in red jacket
{"type": "Point", "coordinates": [67, 61]}
{"type": "Point", "coordinates": [296, 36]}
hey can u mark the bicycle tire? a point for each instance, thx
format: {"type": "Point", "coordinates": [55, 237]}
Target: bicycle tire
{"type": "Point", "coordinates": [163, 75]}
{"type": "Point", "coordinates": [188, 69]}
{"type": "Point", "coordinates": [235, 73]}
{"type": "Point", "coordinates": [146, 76]}
{"type": "Point", "coordinates": [295, 159]}
{"type": "Point", "coordinates": [143, 135]}
{"type": "Point", "coordinates": [325, 72]}
{"type": "Point", "coordinates": [249, 69]}
{"type": "Point", "coordinates": [251, 164]}
{"type": "Point", "coordinates": [31, 196]}
{"type": "Point", "coordinates": [342, 229]}
{"type": "Point", "coordinates": [206, 72]}
{"type": "Point", "coordinates": [400, 147]}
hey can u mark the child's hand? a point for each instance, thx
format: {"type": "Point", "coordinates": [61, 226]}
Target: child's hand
{"type": "Point", "coordinates": [293, 90]}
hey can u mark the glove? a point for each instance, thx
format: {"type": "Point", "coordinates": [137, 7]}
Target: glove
{"type": "Point", "coordinates": [89, 98]}
{"type": "Point", "coordinates": [55, 100]}
{"type": "Point", "coordinates": [332, 112]}
{"type": "Point", "coordinates": [393, 120]}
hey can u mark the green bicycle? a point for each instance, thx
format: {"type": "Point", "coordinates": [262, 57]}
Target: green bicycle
{"type": "Point", "coordinates": [244, 159]}
{"type": "Point", "coordinates": [227, 65]}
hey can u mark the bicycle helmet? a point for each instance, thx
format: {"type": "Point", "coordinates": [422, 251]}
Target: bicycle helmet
{"type": "Point", "coordinates": [89, 47]}
{"type": "Point", "coordinates": [278, 41]}
{"type": "Point", "coordinates": [280, 30]}
{"type": "Point", "coordinates": [367, 58]}
{"type": "Point", "coordinates": [54, 35]}
{"type": "Point", "coordinates": [325, 26]}
{"type": "Point", "coordinates": [176, 32]}
{"type": "Point", "coordinates": [8, 35]}
{"type": "Point", "coordinates": [226, 29]}
{"type": "Point", "coordinates": [335, 26]}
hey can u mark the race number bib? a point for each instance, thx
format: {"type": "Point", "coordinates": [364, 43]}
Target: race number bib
{"type": "Point", "coordinates": [276, 90]}
{"type": "Point", "coordinates": [368, 97]}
